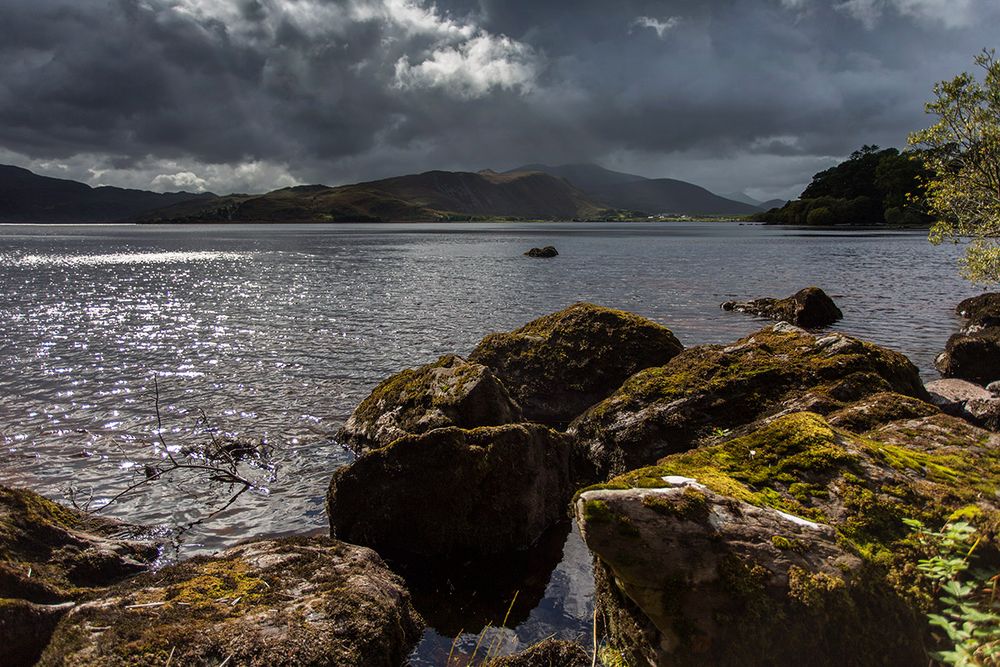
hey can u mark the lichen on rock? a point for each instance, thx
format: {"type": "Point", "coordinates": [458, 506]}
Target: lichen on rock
{"type": "Point", "coordinates": [302, 602]}
{"type": "Point", "coordinates": [557, 366]}
{"type": "Point", "coordinates": [51, 555]}
{"type": "Point", "coordinates": [799, 548]}
{"type": "Point", "coordinates": [708, 388]}
{"type": "Point", "coordinates": [448, 392]}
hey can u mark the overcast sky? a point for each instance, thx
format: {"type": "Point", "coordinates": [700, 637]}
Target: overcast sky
{"type": "Point", "coordinates": [251, 95]}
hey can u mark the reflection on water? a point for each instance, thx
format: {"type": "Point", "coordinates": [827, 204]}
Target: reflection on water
{"type": "Point", "coordinates": [276, 333]}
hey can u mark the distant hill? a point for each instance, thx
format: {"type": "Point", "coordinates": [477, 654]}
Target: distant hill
{"type": "Point", "coordinates": [638, 193]}
{"type": "Point", "coordinates": [743, 198]}
{"type": "Point", "coordinates": [28, 197]}
{"type": "Point", "coordinates": [434, 195]}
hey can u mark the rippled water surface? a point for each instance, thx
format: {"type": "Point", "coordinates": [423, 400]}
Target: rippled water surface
{"type": "Point", "coordinates": [275, 333]}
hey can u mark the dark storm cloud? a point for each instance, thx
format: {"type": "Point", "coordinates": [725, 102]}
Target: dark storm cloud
{"type": "Point", "coordinates": [259, 93]}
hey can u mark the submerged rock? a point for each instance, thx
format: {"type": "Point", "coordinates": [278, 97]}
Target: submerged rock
{"type": "Point", "coordinates": [559, 365]}
{"type": "Point", "coordinates": [549, 653]}
{"type": "Point", "coordinates": [810, 307]}
{"type": "Point", "coordinates": [543, 253]}
{"type": "Point", "coordinates": [712, 388]}
{"type": "Point", "coordinates": [787, 542]}
{"type": "Point", "coordinates": [448, 392]}
{"type": "Point", "coordinates": [298, 602]}
{"type": "Point", "coordinates": [52, 554]}
{"type": "Point", "coordinates": [451, 493]}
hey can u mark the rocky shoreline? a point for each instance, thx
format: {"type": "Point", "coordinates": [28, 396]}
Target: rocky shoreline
{"type": "Point", "coordinates": [744, 504]}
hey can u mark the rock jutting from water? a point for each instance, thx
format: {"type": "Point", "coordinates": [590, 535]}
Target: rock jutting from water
{"type": "Point", "coordinates": [547, 252]}
{"type": "Point", "coordinates": [485, 489]}
{"type": "Point", "coordinates": [974, 353]}
{"type": "Point", "coordinates": [810, 308]}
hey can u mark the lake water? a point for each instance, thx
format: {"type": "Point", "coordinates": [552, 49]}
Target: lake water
{"type": "Point", "coordinates": [276, 333]}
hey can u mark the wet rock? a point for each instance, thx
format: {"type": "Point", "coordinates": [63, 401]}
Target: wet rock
{"type": "Point", "coordinates": [543, 253]}
{"type": "Point", "coordinates": [786, 542]}
{"type": "Point", "coordinates": [972, 356]}
{"type": "Point", "coordinates": [810, 307]}
{"type": "Point", "coordinates": [299, 602]}
{"type": "Point", "coordinates": [549, 653]}
{"type": "Point", "coordinates": [979, 305]}
{"type": "Point", "coordinates": [52, 554]}
{"type": "Point", "coordinates": [448, 392]}
{"type": "Point", "coordinates": [559, 365]}
{"type": "Point", "coordinates": [453, 493]}
{"type": "Point", "coordinates": [713, 388]}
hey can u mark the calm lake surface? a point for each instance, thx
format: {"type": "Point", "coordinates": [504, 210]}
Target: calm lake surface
{"type": "Point", "coordinates": [276, 333]}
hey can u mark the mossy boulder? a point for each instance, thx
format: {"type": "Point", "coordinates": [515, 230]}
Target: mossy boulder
{"type": "Point", "coordinates": [301, 602]}
{"type": "Point", "coordinates": [980, 307]}
{"type": "Point", "coordinates": [559, 365]}
{"type": "Point", "coordinates": [549, 653]}
{"type": "Point", "coordinates": [809, 307]}
{"type": "Point", "coordinates": [50, 555]}
{"type": "Point", "coordinates": [448, 392]}
{"type": "Point", "coordinates": [713, 388]}
{"type": "Point", "coordinates": [453, 493]}
{"type": "Point", "coordinates": [786, 542]}
{"type": "Point", "coordinates": [972, 356]}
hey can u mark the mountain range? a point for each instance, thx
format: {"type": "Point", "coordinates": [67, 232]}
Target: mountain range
{"type": "Point", "coordinates": [533, 191]}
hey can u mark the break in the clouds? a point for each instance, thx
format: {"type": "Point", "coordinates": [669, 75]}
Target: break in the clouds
{"type": "Point", "coordinates": [249, 95]}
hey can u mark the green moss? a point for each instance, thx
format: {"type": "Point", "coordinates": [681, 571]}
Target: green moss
{"type": "Point", "coordinates": [224, 581]}
{"type": "Point", "coordinates": [785, 543]}
{"type": "Point", "coordinates": [690, 505]}
{"type": "Point", "coordinates": [813, 589]}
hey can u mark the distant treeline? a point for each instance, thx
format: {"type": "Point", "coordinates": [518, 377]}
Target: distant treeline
{"type": "Point", "coordinates": [872, 187]}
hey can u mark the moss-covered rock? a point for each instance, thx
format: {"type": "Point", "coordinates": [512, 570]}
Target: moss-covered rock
{"type": "Point", "coordinates": [973, 356]}
{"type": "Point", "coordinates": [453, 492]}
{"type": "Point", "coordinates": [52, 554]}
{"type": "Point", "coordinates": [786, 542]}
{"type": "Point", "coordinates": [979, 307]}
{"type": "Point", "coordinates": [549, 653]}
{"type": "Point", "coordinates": [809, 307]}
{"type": "Point", "coordinates": [879, 409]}
{"type": "Point", "coordinates": [448, 392]}
{"type": "Point", "coordinates": [302, 602]}
{"type": "Point", "coordinates": [716, 387]}
{"type": "Point", "coordinates": [559, 365]}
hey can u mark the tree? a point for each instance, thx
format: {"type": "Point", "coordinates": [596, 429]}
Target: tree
{"type": "Point", "coordinates": [962, 150]}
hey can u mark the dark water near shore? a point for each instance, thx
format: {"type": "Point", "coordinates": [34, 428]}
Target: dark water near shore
{"type": "Point", "coordinates": [277, 333]}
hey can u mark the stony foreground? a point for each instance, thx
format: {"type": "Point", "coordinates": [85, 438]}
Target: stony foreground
{"type": "Point", "coordinates": [744, 503]}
